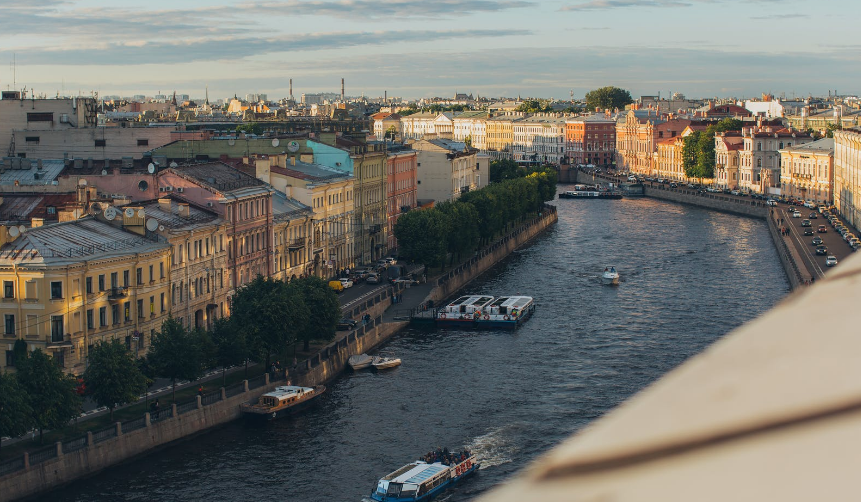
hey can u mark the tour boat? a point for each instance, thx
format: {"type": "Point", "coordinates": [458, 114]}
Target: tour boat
{"type": "Point", "coordinates": [610, 276]}
{"type": "Point", "coordinates": [281, 401]}
{"type": "Point", "coordinates": [461, 312]}
{"type": "Point", "coordinates": [423, 479]}
{"type": "Point", "coordinates": [385, 362]}
{"type": "Point", "coordinates": [590, 192]}
{"type": "Point", "coordinates": [360, 361]}
{"type": "Point", "coordinates": [506, 312]}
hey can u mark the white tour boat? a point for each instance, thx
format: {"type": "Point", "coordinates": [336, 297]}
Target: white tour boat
{"type": "Point", "coordinates": [610, 276]}
{"type": "Point", "coordinates": [281, 401]}
{"type": "Point", "coordinates": [461, 312]}
{"type": "Point", "coordinates": [505, 312]}
{"type": "Point", "coordinates": [360, 361]}
{"type": "Point", "coordinates": [423, 479]}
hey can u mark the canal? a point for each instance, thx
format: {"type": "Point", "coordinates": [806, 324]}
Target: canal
{"type": "Point", "coordinates": [688, 277]}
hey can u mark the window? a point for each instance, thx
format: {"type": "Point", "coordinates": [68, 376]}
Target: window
{"type": "Point", "coordinates": [143, 185]}
{"type": "Point", "coordinates": [101, 282]}
{"type": "Point", "coordinates": [100, 142]}
{"type": "Point", "coordinates": [8, 289]}
{"type": "Point", "coordinates": [40, 117]}
{"type": "Point", "coordinates": [127, 311]}
{"type": "Point", "coordinates": [115, 281]}
{"type": "Point", "coordinates": [140, 275]}
{"type": "Point", "coordinates": [140, 309]}
{"type": "Point", "coordinates": [151, 276]}
{"type": "Point", "coordinates": [125, 278]}
{"type": "Point", "coordinates": [51, 210]}
{"type": "Point", "coordinates": [90, 319]}
{"type": "Point", "coordinates": [152, 305]}
{"type": "Point", "coordinates": [89, 284]}
{"type": "Point", "coordinates": [56, 290]}
{"type": "Point", "coordinates": [33, 140]}
{"type": "Point", "coordinates": [163, 307]}
{"type": "Point", "coordinates": [115, 314]}
{"type": "Point", "coordinates": [161, 270]}
{"type": "Point", "coordinates": [103, 316]}
{"type": "Point", "coordinates": [10, 358]}
{"type": "Point", "coordinates": [56, 328]}
{"type": "Point", "coordinates": [143, 142]}
{"type": "Point", "coordinates": [10, 324]}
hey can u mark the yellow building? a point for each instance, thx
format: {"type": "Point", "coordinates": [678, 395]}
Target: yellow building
{"type": "Point", "coordinates": [293, 224]}
{"type": "Point", "coordinates": [69, 285]}
{"type": "Point", "coordinates": [499, 134]}
{"type": "Point", "coordinates": [847, 175]}
{"type": "Point", "coordinates": [807, 171]}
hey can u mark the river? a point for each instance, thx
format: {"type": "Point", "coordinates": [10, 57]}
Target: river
{"type": "Point", "coordinates": [688, 277]}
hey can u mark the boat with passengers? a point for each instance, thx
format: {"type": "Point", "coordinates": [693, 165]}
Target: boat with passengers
{"type": "Point", "coordinates": [505, 312]}
{"type": "Point", "coordinates": [424, 479]}
{"type": "Point", "coordinates": [281, 401]}
{"type": "Point", "coordinates": [591, 192]}
{"type": "Point", "coordinates": [461, 312]}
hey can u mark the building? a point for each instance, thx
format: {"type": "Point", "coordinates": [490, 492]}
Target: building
{"type": "Point", "coordinates": [499, 132]}
{"type": "Point", "coordinates": [669, 161]}
{"type": "Point", "coordinates": [446, 169]}
{"type": "Point", "coordinates": [69, 285]}
{"type": "Point", "coordinates": [807, 171]}
{"type": "Point", "coordinates": [847, 175]}
{"type": "Point", "coordinates": [759, 160]}
{"type": "Point", "coordinates": [637, 136]}
{"type": "Point", "coordinates": [726, 110]}
{"type": "Point", "coordinates": [385, 124]}
{"type": "Point", "coordinates": [590, 140]}
{"type": "Point", "coordinates": [728, 146]}
{"type": "Point", "coordinates": [418, 125]}
{"type": "Point", "coordinates": [293, 224]}
{"type": "Point", "coordinates": [402, 187]}
{"type": "Point", "coordinates": [471, 127]}
{"type": "Point", "coordinates": [539, 138]}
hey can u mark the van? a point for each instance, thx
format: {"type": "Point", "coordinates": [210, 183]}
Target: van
{"type": "Point", "coordinates": [336, 286]}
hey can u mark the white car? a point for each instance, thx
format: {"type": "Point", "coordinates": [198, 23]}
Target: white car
{"type": "Point", "coordinates": [830, 261]}
{"type": "Point", "coordinates": [347, 283]}
{"type": "Point", "coordinates": [796, 214]}
{"type": "Point", "coordinates": [771, 202]}
{"type": "Point", "coordinates": [390, 260]}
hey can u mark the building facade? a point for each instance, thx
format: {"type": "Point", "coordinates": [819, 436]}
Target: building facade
{"type": "Point", "coordinates": [847, 175]}
{"type": "Point", "coordinates": [590, 140]}
{"type": "Point", "coordinates": [759, 160]}
{"type": "Point", "coordinates": [807, 171]}
{"type": "Point", "coordinates": [402, 189]}
{"type": "Point", "coordinates": [728, 146]}
{"type": "Point", "coordinates": [539, 138]}
{"type": "Point", "coordinates": [446, 169]}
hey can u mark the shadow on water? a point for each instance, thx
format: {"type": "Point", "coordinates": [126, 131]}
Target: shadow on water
{"type": "Point", "coordinates": [508, 396]}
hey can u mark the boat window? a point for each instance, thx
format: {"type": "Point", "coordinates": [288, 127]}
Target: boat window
{"type": "Point", "coordinates": [394, 489]}
{"type": "Point", "coordinates": [463, 308]}
{"type": "Point", "coordinates": [503, 310]}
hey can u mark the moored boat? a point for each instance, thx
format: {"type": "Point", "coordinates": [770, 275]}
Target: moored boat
{"type": "Point", "coordinates": [591, 192]}
{"type": "Point", "coordinates": [461, 312]}
{"type": "Point", "coordinates": [385, 362]}
{"type": "Point", "coordinates": [506, 312]}
{"type": "Point", "coordinates": [610, 277]}
{"type": "Point", "coordinates": [281, 401]}
{"type": "Point", "coordinates": [424, 479]}
{"type": "Point", "coordinates": [360, 361]}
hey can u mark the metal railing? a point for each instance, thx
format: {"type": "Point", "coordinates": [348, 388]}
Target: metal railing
{"type": "Point", "coordinates": [235, 390]}
{"type": "Point", "coordinates": [158, 416]}
{"type": "Point", "coordinates": [211, 398]}
{"type": "Point", "coordinates": [72, 445]}
{"type": "Point", "coordinates": [12, 465]}
{"type": "Point", "coordinates": [133, 425]}
{"type": "Point", "coordinates": [43, 455]}
{"type": "Point", "coordinates": [104, 434]}
{"type": "Point", "coordinates": [186, 407]}
{"type": "Point", "coordinates": [258, 381]}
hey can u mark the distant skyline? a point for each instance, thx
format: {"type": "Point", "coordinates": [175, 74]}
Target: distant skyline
{"type": "Point", "coordinates": [421, 48]}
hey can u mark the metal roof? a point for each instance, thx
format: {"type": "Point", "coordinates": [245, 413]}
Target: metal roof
{"type": "Point", "coordinates": [49, 172]}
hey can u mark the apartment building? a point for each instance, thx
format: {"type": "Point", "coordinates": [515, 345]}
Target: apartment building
{"type": "Point", "coordinates": [499, 132]}
{"type": "Point", "coordinates": [402, 187]}
{"type": "Point", "coordinates": [539, 138]}
{"type": "Point", "coordinates": [847, 175]}
{"type": "Point", "coordinates": [446, 169]}
{"type": "Point", "coordinates": [759, 160]}
{"type": "Point", "coordinates": [807, 171]}
{"type": "Point", "coordinates": [418, 125]}
{"type": "Point", "coordinates": [590, 140]}
{"type": "Point", "coordinates": [728, 146]}
{"type": "Point", "coordinates": [293, 223]}
{"type": "Point", "coordinates": [69, 285]}
{"type": "Point", "coordinates": [471, 127]}
{"type": "Point", "coordinates": [637, 135]}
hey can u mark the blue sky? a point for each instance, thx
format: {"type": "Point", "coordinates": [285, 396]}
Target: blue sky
{"type": "Point", "coordinates": [417, 48]}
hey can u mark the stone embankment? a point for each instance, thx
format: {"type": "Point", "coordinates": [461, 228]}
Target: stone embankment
{"type": "Point", "coordinates": [64, 462]}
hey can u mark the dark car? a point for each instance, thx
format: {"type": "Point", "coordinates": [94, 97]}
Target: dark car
{"type": "Point", "coordinates": [345, 324]}
{"type": "Point", "coordinates": [821, 250]}
{"type": "Point", "coordinates": [813, 216]}
{"type": "Point", "coordinates": [816, 241]}
{"type": "Point", "coordinates": [674, 185]}
{"type": "Point", "coordinates": [821, 229]}
{"type": "Point", "coordinates": [808, 231]}
{"type": "Point", "coordinates": [805, 223]}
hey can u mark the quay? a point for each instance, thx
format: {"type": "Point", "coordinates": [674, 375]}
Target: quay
{"type": "Point", "coordinates": [44, 470]}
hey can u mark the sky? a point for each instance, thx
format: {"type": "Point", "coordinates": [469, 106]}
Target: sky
{"type": "Point", "coordinates": [425, 48]}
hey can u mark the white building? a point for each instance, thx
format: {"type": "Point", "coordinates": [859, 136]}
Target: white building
{"type": "Point", "coordinates": [472, 125]}
{"type": "Point", "coordinates": [847, 175]}
{"type": "Point", "coordinates": [540, 138]}
{"type": "Point", "coordinates": [446, 169]}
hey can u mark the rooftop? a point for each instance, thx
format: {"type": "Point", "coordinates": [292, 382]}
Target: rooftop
{"type": "Point", "coordinates": [169, 215]}
{"type": "Point", "coordinates": [219, 176]}
{"type": "Point", "coordinates": [28, 171]}
{"type": "Point", "coordinates": [824, 145]}
{"type": "Point", "coordinates": [20, 208]}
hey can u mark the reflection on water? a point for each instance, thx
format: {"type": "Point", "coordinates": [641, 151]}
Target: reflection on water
{"type": "Point", "coordinates": [687, 277]}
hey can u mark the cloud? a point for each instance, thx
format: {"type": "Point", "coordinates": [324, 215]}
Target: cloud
{"type": "Point", "coordinates": [617, 4]}
{"type": "Point", "coordinates": [138, 52]}
{"type": "Point", "coordinates": [373, 9]}
{"type": "Point", "coordinates": [779, 16]}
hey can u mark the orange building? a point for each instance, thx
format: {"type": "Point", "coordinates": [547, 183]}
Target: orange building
{"type": "Point", "coordinates": [402, 174]}
{"type": "Point", "coordinates": [590, 140]}
{"type": "Point", "coordinates": [637, 138]}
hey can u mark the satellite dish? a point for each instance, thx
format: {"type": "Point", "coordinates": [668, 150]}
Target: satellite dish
{"type": "Point", "coordinates": [293, 146]}
{"type": "Point", "coordinates": [231, 141]}
{"type": "Point", "coordinates": [152, 224]}
{"type": "Point", "coordinates": [150, 168]}
{"type": "Point", "coordinates": [95, 207]}
{"type": "Point", "coordinates": [161, 228]}
{"type": "Point", "coordinates": [110, 213]}
{"type": "Point", "coordinates": [104, 172]}
{"type": "Point", "coordinates": [82, 182]}
{"type": "Point", "coordinates": [14, 232]}
{"type": "Point", "coordinates": [141, 213]}
{"type": "Point", "coordinates": [22, 229]}
{"type": "Point", "coordinates": [275, 142]}
{"type": "Point", "coordinates": [129, 212]}
{"type": "Point", "coordinates": [174, 164]}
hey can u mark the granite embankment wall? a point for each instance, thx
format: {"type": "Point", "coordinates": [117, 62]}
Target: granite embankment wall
{"type": "Point", "coordinates": [794, 267]}
{"type": "Point", "coordinates": [64, 462]}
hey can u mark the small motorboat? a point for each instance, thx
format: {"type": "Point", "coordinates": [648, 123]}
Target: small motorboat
{"type": "Point", "coordinates": [280, 401]}
{"type": "Point", "coordinates": [385, 362]}
{"type": "Point", "coordinates": [360, 361]}
{"type": "Point", "coordinates": [610, 276]}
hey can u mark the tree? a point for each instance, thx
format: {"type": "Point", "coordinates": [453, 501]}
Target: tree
{"type": "Point", "coordinates": [53, 400]}
{"type": "Point", "coordinates": [391, 132]}
{"type": "Point", "coordinates": [231, 346]}
{"type": "Point", "coordinates": [423, 236]}
{"type": "Point", "coordinates": [15, 411]}
{"type": "Point", "coordinates": [464, 218]}
{"type": "Point", "coordinates": [175, 354]}
{"type": "Point", "coordinates": [327, 309]}
{"type": "Point", "coordinates": [505, 170]}
{"type": "Point", "coordinates": [113, 377]}
{"type": "Point", "coordinates": [729, 124]}
{"type": "Point", "coordinates": [608, 98]}
{"type": "Point", "coordinates": [690, 154]}
{"type": "Point", "coordinates": [533, 106]}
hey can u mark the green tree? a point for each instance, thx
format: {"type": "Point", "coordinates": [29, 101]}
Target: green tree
{"type": "Point", "coordinates": [690, 149]}
{"type": "Point", "coordinates": [250, 128]}
{"type": "Point", "coordinates": [423, 236]}
{"type": "Point", "coordinates": [175, 354]}
{"type": "Point", "coordinates": [113, 377]}
{"type": "Point", "coordinates": [231, 346]}
{"type": "Point", "coordinates": [729, 124]}
{"type": "Point", "coordinates": [463, 219]}
{"type": "Point", "coordinates": [533, 106]}
{"type": "Point", "coordinates": [15, 411]}
{"type": "Point", "coordinates": [53, 400]}
{"type": "Point", "coordinates": [391, 133]}
{"type": "Point", "coordinates": [505, 170]}
{"type": "Point", "coordinates": [608, 98]}
{"type": "Point", "coordinates": [327, 310]}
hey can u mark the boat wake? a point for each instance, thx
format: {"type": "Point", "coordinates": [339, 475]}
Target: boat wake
{"type": "Point", "coordinates": [494, 448]}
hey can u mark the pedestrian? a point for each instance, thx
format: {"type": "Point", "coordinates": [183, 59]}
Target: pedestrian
{"type": "Point", "coordinates": [200, 391]}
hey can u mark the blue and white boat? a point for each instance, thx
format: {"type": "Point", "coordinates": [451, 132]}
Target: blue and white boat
{"type": "Point", "coordinates": [422, 479]}
{"type": "Point", "coordinates": [506, 312]}
{"type": "Point", "coordinates": [461, 312]}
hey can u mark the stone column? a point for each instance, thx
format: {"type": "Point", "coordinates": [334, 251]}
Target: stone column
{"type": "Point", "coordinates": [245, 383]}
{"type": "Point", "coordinates": [223, 394]}
{"type": "Point", "coordinates": [90, 441]}
{"type": "Point", "coordinates": [199, 403]}
{"type": "Point", "coordinates": [26, 460]}
{"type": "Point", "coordinates": [173, 410]}
{"type": "Point", "coordinates": [119, 428]}
{"type": "Point", "coordinates": [266, 379]}
{"type": "Point", "coordinates": [147, 421]}
{"type": "Point", "coordinates": [59, 449]}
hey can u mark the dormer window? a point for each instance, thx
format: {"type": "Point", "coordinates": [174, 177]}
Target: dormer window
{"type": "Point", "coordinates": [51, 210]}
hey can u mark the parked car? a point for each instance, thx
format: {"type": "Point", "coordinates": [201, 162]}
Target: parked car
{"type": "Point", "coordinates": [821, 250]}
{"type": "Point", "coordinates": [345, 324]}
{"type": "Point", "coordinates": [796, 214]}
{"type": "Point", "coordinates": [632, 179]}
{"type": "Point", "coordinates": [347, 283]}
{"type": "Point", "coordinates": [373, 278]}
{"type": "Point", "coordinates": [735, 192]}
{"type": "Point", "coordinates": [391, 260]}
{"type": "Point", "coordinates": [771, 202]}
{"type": "Point", "coordinates": [821, 229]}
{"type": "Point", "coordinates": [674, 185]}
{"type": "Point", "coordinates": [816, 241]}
{"type": "Point", "coordinates": [336, 286]}
{"type": "Point", "coordinates": [830, 261]}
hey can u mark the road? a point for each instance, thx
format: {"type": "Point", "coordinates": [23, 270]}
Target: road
{"type": "Point", "coordinates": [837, 247]}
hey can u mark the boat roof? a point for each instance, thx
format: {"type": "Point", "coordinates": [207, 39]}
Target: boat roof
{"type": "Point", "coordinates": [512, 301]}
{"type": "Point", "coordinates": [420, 473]}
{"type": "Point", "coordinates": [471, 300]}
{"type": "Point", "coordinates": [287, 391]}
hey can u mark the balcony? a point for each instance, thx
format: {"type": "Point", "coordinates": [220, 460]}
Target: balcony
{"type": "Point", "coordinates": [116, 294]}
{"type": "Point", "coordinates": [296, 244]}
{"type": "Point", "coordinates": [374, 229]}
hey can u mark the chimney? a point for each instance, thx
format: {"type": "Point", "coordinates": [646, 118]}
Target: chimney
{"type": "Point", "coordinates": [164, 205]}
{"type": "Point", "coordinates": [342, 89]}
{"type": "Point", "coordinates": [293, 161]}
{"type": "Point", "coordinates": [184, 210]}
{"type": "Point", "coordinates": [36, 222]}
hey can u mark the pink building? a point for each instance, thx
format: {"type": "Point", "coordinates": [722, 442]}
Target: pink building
{"type": "Point", "coordinates": [401, 187]}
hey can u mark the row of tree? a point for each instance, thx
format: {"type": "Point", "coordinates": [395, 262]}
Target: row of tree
{"type": "Point", "coordinates": [698, 151]}
{"type": "Point", "coordinates": [454, 228]}
{"type": "Point", "coordinates": [269, 317]}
